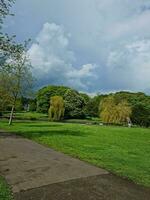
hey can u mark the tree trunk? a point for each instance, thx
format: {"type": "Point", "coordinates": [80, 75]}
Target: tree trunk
{"type": "Point", "coordinates": [11, 115]}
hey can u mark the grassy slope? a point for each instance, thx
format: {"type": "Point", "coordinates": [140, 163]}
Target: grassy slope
{"type": "Point", "coordinates": [123, 151]}
{"type": "Point", "coordinates": [5, 193]}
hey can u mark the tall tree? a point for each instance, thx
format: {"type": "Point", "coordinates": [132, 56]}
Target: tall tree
{"type": "Point", "coordinates": [114, 112]}
{"type": "Point", "coordinates": [56, 110]}
{"type": "Point", "coordinates": [107, 110]}
{"type": "Point", "coordinates": [124, 111]}
{"type": "Point", "coordinates": [20, 77]}
{"type": "Point", "coordinates": [14, 64]}
{"type": "Point", "coordinates": [74, 104]}
{"type": "Point", "coordinates": [17, 74]}
{"type": "Point", "coordinates": [45, 93]}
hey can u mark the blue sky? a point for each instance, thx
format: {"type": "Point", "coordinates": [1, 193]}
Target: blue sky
{"type": "Point", "coordinates": [90, 45]}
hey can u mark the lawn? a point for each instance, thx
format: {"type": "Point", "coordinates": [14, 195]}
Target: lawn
{"type": "Point", "coordinates": [123, 151]}
{"type": "Point", "coordinates": [27, 116]}
{"type": "Point", "coordinates": [5, 193]}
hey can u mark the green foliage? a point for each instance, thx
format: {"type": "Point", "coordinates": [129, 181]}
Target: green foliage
{"type": "Point", "coordinates": [92, 106]}
{"type": "Point", "coordinates": [14, 64]}
{"type": "Point", "coordinates": [85, 97]}
{"type": "Point", "coordinates": [114, 112]}
{"type": "Point", "coordinates": [19, 105]}
{"type": "Point", "coordinates": [141, 115]}
{"type": "Point", "coordinates": [44, 94]}
{"type": "Point", "coordinates": [121, 150]}
{"type": "Point", "coordinates": [74, 104]}
{"type": "Point", "coordinates": [140, 104]}
{"type": "Point", "coordinates": [8, 46]}
{"type": "Point", "coordinates": [74, 101]}
{"type": "Point", "coordinates": [32, 105]}
{"type": "Point", "coordinates": [80, 105]}
{"type": "Point", "coordinates": [5, 97]}
{"type": "Point", "coordinates": [56, 110]}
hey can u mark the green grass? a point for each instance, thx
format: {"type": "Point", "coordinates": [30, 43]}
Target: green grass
{"type": "Point", "coordinates": [123, 151]}
{"type": "Point", "coordinates": [27, 116]}
{"type": "Point", "coordinates": [5, 193]}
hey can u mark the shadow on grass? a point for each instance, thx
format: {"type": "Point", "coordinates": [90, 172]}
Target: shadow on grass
{"type": "Point", "coordinates": [44, 125]}
{"type": "Point", "coordinates": [42, 133]}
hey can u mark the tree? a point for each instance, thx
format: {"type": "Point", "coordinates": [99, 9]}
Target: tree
{"type": "Point", "coordinates": [107, 110]}
{"type": "Point", "coordinates": [13, 63]}
{"type": "Point", "coordinates": [92, 106]}
{"type": "Point", "coordinates": [74, 104]}
{"type": "Point", "coordinates": [32, 105]}
{"type": "Point", "coordinates": [45, 93]}
{"type": "Point", "coordinates": [141, 114]}
{"type": "Point", "coordinates": [56, 110]}
{"type": "Point", "coordinates": [114, 112]}
{"type": "Point", "coordinates": [17, 72]}
{"type": "Point", "coordinates": [124, 112]}
{"type": "Point", "coordinates": [74, 101]}
{"type": "Point", "coordinates": [140, 104]}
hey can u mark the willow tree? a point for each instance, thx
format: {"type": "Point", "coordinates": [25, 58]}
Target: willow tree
{"type": "Point", "coordinates": [124, 111]}
{"type": "Point", "coordinates": [56, 110]}
{"type": "Point", "coordinates": [114, 112]}
{"type": "Point", "coordinates": [107, 110]}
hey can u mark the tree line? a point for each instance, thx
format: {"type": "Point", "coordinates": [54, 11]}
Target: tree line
{"type": "Point", "coordinates": [117, 108]}
{"type": "Point", "coordinates": [62, 102]}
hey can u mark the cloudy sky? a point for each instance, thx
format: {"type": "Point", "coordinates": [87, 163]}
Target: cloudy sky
{"type": "Point", "coordinates": [90, 45]}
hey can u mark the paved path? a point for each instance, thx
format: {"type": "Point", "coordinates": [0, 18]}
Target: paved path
{"type": "Point", "coordinates": [39, 173]}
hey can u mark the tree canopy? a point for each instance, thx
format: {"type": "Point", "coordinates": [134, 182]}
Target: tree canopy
{"type": "Point", "coordinates": [80, 105]}
{"type": "Point", "coordinates": [113, 112]}
{"type": "Point", "coordinates": [74, 102]}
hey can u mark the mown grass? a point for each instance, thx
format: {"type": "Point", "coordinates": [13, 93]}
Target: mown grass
{"type": "Point", "coordinates": [123, 151]}
{"type": "Point", "coordinates": [27, 116]}
{"type": "Point", "coordinates": [5, 192]}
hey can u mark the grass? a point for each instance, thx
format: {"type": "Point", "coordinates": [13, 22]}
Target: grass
{"type": "Point", "coordinates": [44, 117]}
{"type": "Point", "coordinates": [27, 116]}
{"type": "Point", "coordinates": [5, 192]}
{"type": "Point", "coordinates": [123, 151]}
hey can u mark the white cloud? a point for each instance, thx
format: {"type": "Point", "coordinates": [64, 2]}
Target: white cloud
{"type": "Point", "coordinates": [112, 34]}
{"type": "Point", "coordinates": [130, 66]}
{"type": "Point", "coordinates": [52, 60]}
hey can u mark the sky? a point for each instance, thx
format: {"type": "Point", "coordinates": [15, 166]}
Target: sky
{"type": "Point", "coordinates": [90, 45]}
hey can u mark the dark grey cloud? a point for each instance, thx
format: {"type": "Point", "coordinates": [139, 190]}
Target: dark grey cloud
{"type": "Point", "coordinates": [96, 45]}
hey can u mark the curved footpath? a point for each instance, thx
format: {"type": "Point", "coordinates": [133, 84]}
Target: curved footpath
{"type": "Point", "coordinates": [40, 173]}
